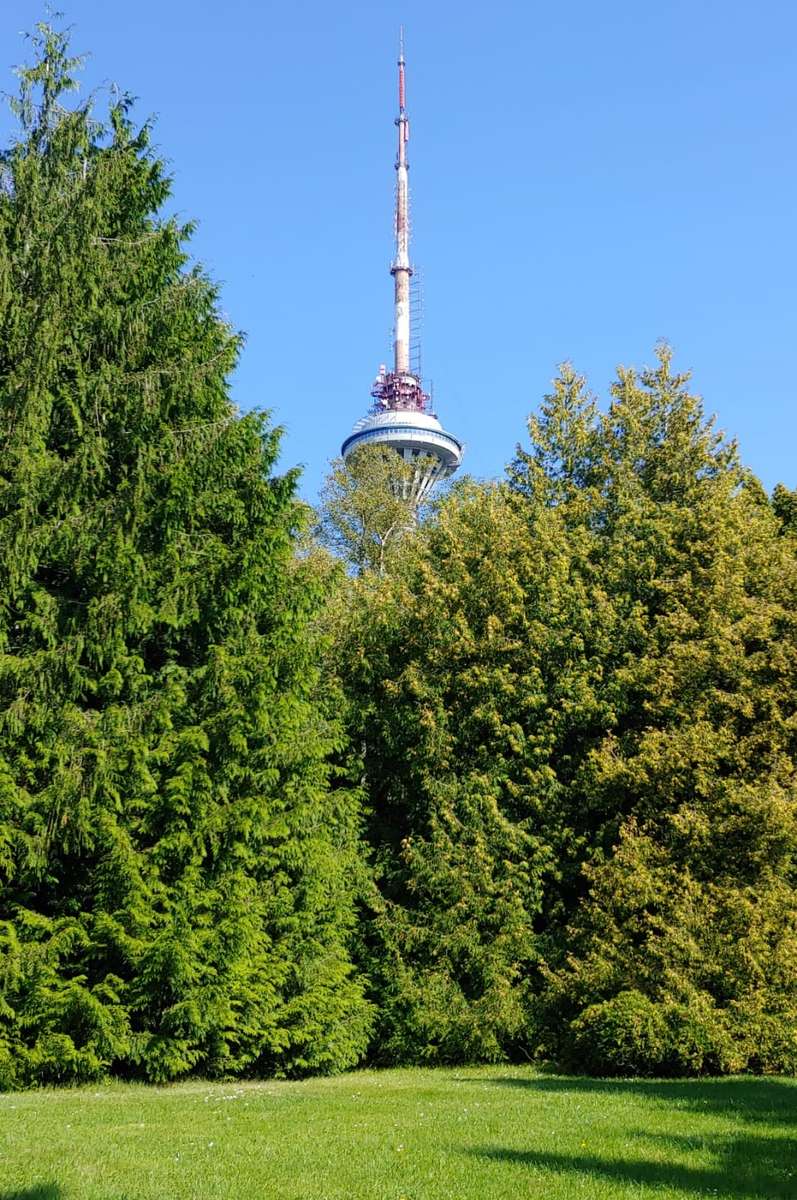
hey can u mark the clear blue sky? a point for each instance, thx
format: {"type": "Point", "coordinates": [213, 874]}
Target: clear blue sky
{"type": "Point", "coordinates": [586, 178]}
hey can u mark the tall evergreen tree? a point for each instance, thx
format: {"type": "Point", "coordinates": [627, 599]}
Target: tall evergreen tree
{"type": "Point", "coordinates": [784, 504]}
{"type": "Point", "coordinates": [672, 939]}
{"type": "Point", "coordinates": [447, 665]}
{"type": "Point", "coordinates": [177, 872]}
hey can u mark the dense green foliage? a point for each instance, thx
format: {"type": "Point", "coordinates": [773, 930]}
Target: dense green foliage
{"type": "Point", "coordinates": [445, 662]}
{"type": "Point", "coordinates": [177, 873]}
{"type": "Point", "coordinates": [567, 698]}
{"type": "Point", "coordinates": [679, 796]}
{"type": "Point", "coordinates": [575, 702]}
{"type": "Point", "coordinates": [367, 507]}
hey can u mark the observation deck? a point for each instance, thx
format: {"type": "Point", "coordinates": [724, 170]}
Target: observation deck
{"type": "Point", "coordinates": [412, 434]}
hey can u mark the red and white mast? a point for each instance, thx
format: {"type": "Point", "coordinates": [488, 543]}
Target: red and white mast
{"type": "Point", "coordinates": [401, 388]}
{"type": "Point", "coordinates": [401, 269]}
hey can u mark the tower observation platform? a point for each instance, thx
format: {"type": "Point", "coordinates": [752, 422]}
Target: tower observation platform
{"type": "Point", "coordinates": [401, 417]}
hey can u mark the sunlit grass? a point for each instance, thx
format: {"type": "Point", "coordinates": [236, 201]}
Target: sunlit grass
{"type": "Point", "coordinates": [480, 1133]}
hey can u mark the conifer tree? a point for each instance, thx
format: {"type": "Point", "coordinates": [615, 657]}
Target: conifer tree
{"type": "Point", "coordinates": [446, 667]}
{"type": "Point", "coordinates": [670, 943]}
{"type": "Point", "coordinates": [177, 871]}
{"type": "Point", "coordinates": [784, 504]}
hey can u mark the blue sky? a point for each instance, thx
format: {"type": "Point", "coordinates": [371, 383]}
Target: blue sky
{"type": "Point", "coordinates": [586, 179]}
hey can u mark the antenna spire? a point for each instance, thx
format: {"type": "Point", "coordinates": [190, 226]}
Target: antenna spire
{"type": "Point", "coordinates": [401, 388]}
{"type": "Point", "coordinates": [401, 268]}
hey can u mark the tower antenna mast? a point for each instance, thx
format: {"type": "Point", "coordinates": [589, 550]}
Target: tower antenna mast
{"type": "Point", "coordinates": [401, 388]}
{"type": "Point", "coordinates": [401, 268]}
{"type": "Point", "coordinates": [401, 419]}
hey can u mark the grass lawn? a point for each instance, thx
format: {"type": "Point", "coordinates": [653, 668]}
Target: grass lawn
{"type": "Point", "coordinates": [497, 1133]}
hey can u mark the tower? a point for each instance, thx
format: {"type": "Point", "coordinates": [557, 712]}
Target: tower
{"type": "Point", "coordinates": [401, 416]}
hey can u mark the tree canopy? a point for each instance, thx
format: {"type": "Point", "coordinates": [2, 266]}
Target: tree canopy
{"type": "Point", "coordinates": [513, 777]}
{"type": "Point", "coordinates": [178, 870]}
{"type": "Point", "coordinates": [575, 710]}
{"type": "Point", "coordinates": [368, 506]}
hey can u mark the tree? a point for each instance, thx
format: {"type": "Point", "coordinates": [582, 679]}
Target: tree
{"type": "Point", "coordinates": [444, 665]}
{"type": "Point", "coordinates": [178, 871]}
{"type": "Point", "coordinates": [671, 942]}
{"type": "Point", "coordinates": [784, 504]}
{"type": "Point", "coordinates": [368, 506]}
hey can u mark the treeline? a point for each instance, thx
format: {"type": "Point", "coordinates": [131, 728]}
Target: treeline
{"type": "Point", "coordinates": [573, 700]}
{"type": "Point", "coordinates": [514, 783]}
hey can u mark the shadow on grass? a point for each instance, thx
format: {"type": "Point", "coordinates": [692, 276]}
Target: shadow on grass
{"type": "Point", "coordinates": [756, 1169]}
{"type": "Point", "coordinates": [751, 1164]}
{"type": "Point", "coordinates": [753, 1098]}
{"type": "Point", "coordinates": [40, 1191]}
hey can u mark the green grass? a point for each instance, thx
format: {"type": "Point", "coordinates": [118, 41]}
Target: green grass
{"type": "Point", "coordinates": [482, 1133]}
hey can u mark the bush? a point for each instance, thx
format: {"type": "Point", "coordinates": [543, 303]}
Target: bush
{"type": "Point", "coordinates": [627, 1035]}
{"type": "Point", "coordinates": [700, 1042]}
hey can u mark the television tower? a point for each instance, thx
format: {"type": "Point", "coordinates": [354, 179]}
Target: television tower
{"type": "Point", "coordinates": [401, 416]}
